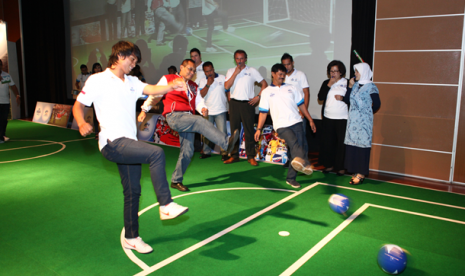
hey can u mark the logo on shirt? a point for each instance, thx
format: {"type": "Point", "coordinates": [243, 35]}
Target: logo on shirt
{"type": "Point", "coordinates": [272, 94]}
{"type": "Point", "coordinates": [289, 91]}
{"type": "Point", "coordinates": [221, 83]}
{"type": "Point", "coordinates": [132, 89]}
{"type": "Point", "coordinates": [247, 74]}
{"type": "Point", "coordinates": [293, 79]}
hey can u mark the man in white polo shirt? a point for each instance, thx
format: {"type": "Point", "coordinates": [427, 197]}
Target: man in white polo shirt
{"type": "Point", "coordinates": [114, 95]}
{"type": "Point", "coordinates": [197, 58]}
{"type": "Point", "coordinates": [240, 80]}
{"type": "Point", "coordinates": [211, 90]}
{"type": "Point", "coordinates": [284, 102]}
{"type": "Point", "coordinates": [6, 82]}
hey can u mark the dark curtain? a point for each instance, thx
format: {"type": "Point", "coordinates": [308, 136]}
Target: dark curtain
{"type": "Point", "coordinates": [43, 25]}
{"type": "Point", "coordinates": [363, 32]}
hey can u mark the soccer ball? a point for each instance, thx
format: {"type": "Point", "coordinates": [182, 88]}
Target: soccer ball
{"type": "Point", "coordinates": [392, 259]}
{"type": "Point", "coordinates": [339, 203]}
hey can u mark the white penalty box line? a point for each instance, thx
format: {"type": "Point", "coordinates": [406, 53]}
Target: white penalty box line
{"type": "Point", "coordinates": [307, 256]}
{"type": "Point", "coordinates": [196, 246]}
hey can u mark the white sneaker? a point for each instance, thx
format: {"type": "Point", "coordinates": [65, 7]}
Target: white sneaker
{"type": "Point", "coordinates": [211, 49]}
{"type": "Point", "coordinates": [6, 138]}
{"type": "Point", "coordinates": [218, 27]}
{"type": "Point", "coordinates": [300, 165]}
{"type": "Point", "coordinates": [172, 210]}
{"type": "Point", "coordinates": [137, 244]}
{"type": "Point", "coordinates": [231, 29]}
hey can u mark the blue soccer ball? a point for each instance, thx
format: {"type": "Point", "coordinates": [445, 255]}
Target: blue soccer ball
{"type": "Point", "coordinates": [392, 259]}
{"type": "Point", "coordinates": [339, 203]}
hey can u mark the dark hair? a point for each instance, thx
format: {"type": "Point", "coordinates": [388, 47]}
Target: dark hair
{"type": "Point", "coordinates": [123, 49]}
{"type": "Point", "coordinates": [83, 66]}
{"type": "Point", "coordinates": [341, 67]}
{"type": "Point", "coordinates": [240, 52]}
{"type": "Point", "coordinates": [186, 61]}
{"type": "Point", "coordinates": [286, 56]}
{"type": "Point", "coordinates": [278, 67]}
{"type": "Point", "coordinates": [195, 50]}
{"type": "Point", "coordinates": [95, 65]}
{"type": "Point", "coordinates": [207, 63]}
{"type": "Point", "coordinates": [173, 67]}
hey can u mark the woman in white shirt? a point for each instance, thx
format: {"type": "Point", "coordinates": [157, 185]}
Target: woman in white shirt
{"type": "Point", "coordinates": [334, 114]}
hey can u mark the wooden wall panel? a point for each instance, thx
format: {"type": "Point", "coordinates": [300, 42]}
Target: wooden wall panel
{"type": "Point", "coordinates": [420, 33]}
{"type": "Point", "coordinates": [417, 100]}
{"type": "Point", "coordinates": [417, 67]}
{"type": "Point", "coordinates": [406, 8]}
{"type": "Point", "coordinates": [414, 132]}
{"type": "Point", "coordinates": [411, 162]}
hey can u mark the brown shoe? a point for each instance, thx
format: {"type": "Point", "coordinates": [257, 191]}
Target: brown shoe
{"type": "Point", "coordinates": [252, 162]}
{"type": "Point", "coordinates": [231, 160]}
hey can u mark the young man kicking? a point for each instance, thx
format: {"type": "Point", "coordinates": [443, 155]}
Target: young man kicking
{"type": "Point", "coordinates": [284, 101]}
{"type": "Point", "coordinates": [114, 95]}
{"type": "Point", "coordinates": [179, 112]}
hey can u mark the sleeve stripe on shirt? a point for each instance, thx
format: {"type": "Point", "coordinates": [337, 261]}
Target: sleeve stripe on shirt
{"type": "Point", "coordinates": [262, 110]}
{"type": "Point", "coordinates": [300, 103]}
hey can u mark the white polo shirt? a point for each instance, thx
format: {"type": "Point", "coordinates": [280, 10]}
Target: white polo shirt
{"type": "Point", "coordinates": [298, 79]}
{"type": "Point", "coordinates": [114, 102]}
{"type": "Point", "coordinates": [282, 103]}
{"type": "Point", "coordinates": [5, 84]}
{"type": "Point", "coordinates": [200, 74]}
{"type": "Point", "coordinates": [243, 86]}
{"type": "Point", "coordinates": [81, 79]}
{"type": "Point", "coordinates": [215, 100]}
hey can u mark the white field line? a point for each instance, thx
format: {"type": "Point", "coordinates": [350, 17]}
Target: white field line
{"type": "Point", "coordinates": [395, 196]}
{"type": "Point", "coordinates": [262, 46]}
{"type": "Point", "coordinates": [143, 265]}
{"type": "Point", "coordinates": [218, 235]}
{"type": "Point", "coordinates": [417, 214]}
{"type": "Point", "coordinates": [293, 268]}
{"type": "Point", "coordinates": [48, 143]}
{"type": "Point", "coordinates": [282, 29]}
{"type": "Point", "coordinates": [219, 47]}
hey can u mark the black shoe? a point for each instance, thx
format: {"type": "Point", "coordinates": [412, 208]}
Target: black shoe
{"type": "Point", "coordinates": [180, 187]}
{"type": "Point", "coordinates": [224, 157]}
{"type": "Point", "coordinates": [203, 156]}
{"type": "Point", "coordinates": [232, 140]}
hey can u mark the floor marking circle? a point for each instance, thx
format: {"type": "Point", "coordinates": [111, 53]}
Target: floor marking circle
{"type": "Point", "coordinates": [63, 146]}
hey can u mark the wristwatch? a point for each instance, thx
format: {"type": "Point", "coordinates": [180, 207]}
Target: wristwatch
{"type": "Point", "coordinates": [207, 86]}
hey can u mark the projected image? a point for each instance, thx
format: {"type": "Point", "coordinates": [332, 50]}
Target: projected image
{"type": "Point", "coordinates": [165, 31]}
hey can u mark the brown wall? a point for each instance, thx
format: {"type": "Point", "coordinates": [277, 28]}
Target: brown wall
{"type": "Point", "coordinates": [417, 60]}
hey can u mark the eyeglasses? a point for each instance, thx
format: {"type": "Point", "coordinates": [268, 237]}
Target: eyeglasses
{"type": "Point", "coordinates": [191, 69]}
{"type": "Point", "coordinates": [337, 71]}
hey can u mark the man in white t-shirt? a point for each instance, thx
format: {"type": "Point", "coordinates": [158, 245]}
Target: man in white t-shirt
{"type": "Point", "coordinates": [284, 101]}
{"type": "Point", "coordinates": [82, 78]}
{"type": "Point", "coordinates": [6, 82]}
{"type": "Point", "coordinates": [114, 95]}
{"type": "Point", "coordinates": [211, 90]}
{"type": "Point", "coordinates": [240, 80]}
{"type": "Point", "coordinates": [298, 79]}
{"type": "Point", "coordinates": [197, 58]}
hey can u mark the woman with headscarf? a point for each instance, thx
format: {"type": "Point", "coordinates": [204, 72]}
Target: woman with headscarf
{"type": "Point", "coordinates": [334, 114]}
{"type": "Point", "coordinates": [363, 97]}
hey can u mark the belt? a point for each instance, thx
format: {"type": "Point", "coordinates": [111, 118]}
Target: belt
{"type": "Point", "coordinates": [240, 101]}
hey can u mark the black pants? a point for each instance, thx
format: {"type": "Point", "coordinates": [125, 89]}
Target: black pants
{"type": "Point", "coordinates": [4, 111]}
{"type": "Point", "coordinates": [140, 16]}
{"type": "Point", "coordinates": [211, 24]}
{"type": "Point", "coordinates": [110, 11]}
{"type": "Point", "coordinates": [332, 143]}
{"type": "Point", "coordinates": [242, 111]}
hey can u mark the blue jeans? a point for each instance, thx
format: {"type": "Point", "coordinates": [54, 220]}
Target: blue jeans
{"type": "Point", "coordinates": [220, 120]}
{"type": "Point", "coordinates": [187, 125]}
{"type": "Point", "coordinates": [129, 154]}
{"type": "Point", "coordinates": [296, 143]}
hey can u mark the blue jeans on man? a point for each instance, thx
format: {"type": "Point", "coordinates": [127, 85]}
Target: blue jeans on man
{"type": "Point", "coordinates": [129, 154]}
{"type": "Point", "coordinates": [297, 144]}
{"type": "Point", "coordinates": [220, 121]}
{"type": "Point", "coordinates": [187, 125]}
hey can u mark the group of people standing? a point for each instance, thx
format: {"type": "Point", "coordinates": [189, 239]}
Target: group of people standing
{"type": "Point", "coordinates": [114, 94]}
{"type": "Point", "coordinates": [347, 125]}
